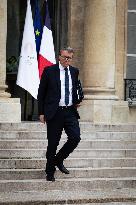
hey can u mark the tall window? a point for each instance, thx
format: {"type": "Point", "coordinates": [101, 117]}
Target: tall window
{"type": "Point", "coordinates": [131, 40]}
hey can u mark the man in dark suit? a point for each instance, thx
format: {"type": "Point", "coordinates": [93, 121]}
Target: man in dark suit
{"type": "Point", "coordinates": [57, 105]}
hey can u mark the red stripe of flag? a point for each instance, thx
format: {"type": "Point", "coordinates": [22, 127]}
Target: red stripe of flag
{"type": "Point", "coordinates": [42, 63]}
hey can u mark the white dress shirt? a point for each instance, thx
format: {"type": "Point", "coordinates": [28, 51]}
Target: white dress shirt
{"type": "Point", "coordinates": [62, 79]}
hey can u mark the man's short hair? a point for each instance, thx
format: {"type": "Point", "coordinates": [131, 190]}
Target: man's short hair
{"type": "Point", "coordinates": [68, 49]}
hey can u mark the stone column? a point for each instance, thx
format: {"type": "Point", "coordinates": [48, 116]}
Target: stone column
{"type": "Point", "coordinates": [99, 48]}
{"type": "Point", "coordinates": [99, 59]}
{"type": "Point", "coordinates": [10, 109]}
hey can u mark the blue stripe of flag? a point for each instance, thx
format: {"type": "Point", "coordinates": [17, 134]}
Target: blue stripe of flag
{"type": "Point", "coordinates": [38, 28]}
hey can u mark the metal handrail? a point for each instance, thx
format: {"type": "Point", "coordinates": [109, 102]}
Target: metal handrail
{"type": "Point", "coordinates": [130, 91]}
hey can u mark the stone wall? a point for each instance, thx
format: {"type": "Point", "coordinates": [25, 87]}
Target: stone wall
{"type": "Point", "coordinates": [76, 31]}
{"type": "Point", "coordinates": [121, 47]}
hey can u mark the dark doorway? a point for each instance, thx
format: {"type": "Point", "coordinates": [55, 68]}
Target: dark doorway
{"type": "Point", "coordinates": [16, 12]}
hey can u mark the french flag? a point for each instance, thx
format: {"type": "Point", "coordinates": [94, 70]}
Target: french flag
{"type": "Point", "coordinates": [46, 55]}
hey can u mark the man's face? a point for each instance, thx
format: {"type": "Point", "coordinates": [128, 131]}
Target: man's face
{"type": "Point", "coordinates": [65, 58]}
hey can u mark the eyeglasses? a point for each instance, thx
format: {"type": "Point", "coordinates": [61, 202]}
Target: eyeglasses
{"type": "Point", "coordinates": [66, 58]}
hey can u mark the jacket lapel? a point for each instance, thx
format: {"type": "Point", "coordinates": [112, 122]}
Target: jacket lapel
{"type": "Point", "coordinates": [57, 77]}
{"type": "Point", "coordinates": [72, 76]}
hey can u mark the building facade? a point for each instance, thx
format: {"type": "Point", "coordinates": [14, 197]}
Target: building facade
{"type": "Point", "coordinates": [102, 32]}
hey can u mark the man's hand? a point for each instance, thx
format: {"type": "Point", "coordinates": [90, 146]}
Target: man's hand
{"type": "Point", "coordinates": [42, 119]}
{"type": "Point", "coordinates": [77, 105]}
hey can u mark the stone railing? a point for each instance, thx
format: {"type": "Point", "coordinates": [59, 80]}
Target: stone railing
{"type": "Point", "coordinates": [130, 91]}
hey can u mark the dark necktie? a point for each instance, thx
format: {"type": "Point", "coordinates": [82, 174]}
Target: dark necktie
{"type": "Point", "coordinates": [66, 87]}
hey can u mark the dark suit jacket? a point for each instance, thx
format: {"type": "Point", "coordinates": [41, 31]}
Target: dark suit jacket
{"type": "Point", "coordinates": [49, 92]}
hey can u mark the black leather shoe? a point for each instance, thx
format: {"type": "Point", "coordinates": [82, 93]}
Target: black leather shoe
{"type": "Point", "coordinates": [62, 168]}
{"type": "Point", "coordinates": [50, 178]}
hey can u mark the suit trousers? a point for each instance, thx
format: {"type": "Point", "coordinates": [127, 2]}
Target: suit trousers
{"type": "Point", "coordinates": [65, 118]}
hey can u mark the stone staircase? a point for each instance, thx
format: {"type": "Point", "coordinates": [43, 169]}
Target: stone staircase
{"type": "Point", "coordinates": [102, 168]}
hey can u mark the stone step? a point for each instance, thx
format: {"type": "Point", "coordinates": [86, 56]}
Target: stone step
{"type": "Point", "coordinates": [109, 203]}
{"type": "Point", "coordinates": [84, 126]}
{"type": "Point", "coordinates": [69, 184]}
{"type": "Point", "coordinates": [40, 163]}
{"type": "Point", "coordinates": [92, 197]}
{"type": "Point", "coordinates": [83, 153]}
{"type": "Point", "coordinates": [23, 174]}
{"type": "Point", "coordinates": [42, 135]}
{"type": "Point", "coordinates": [41, 144]}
